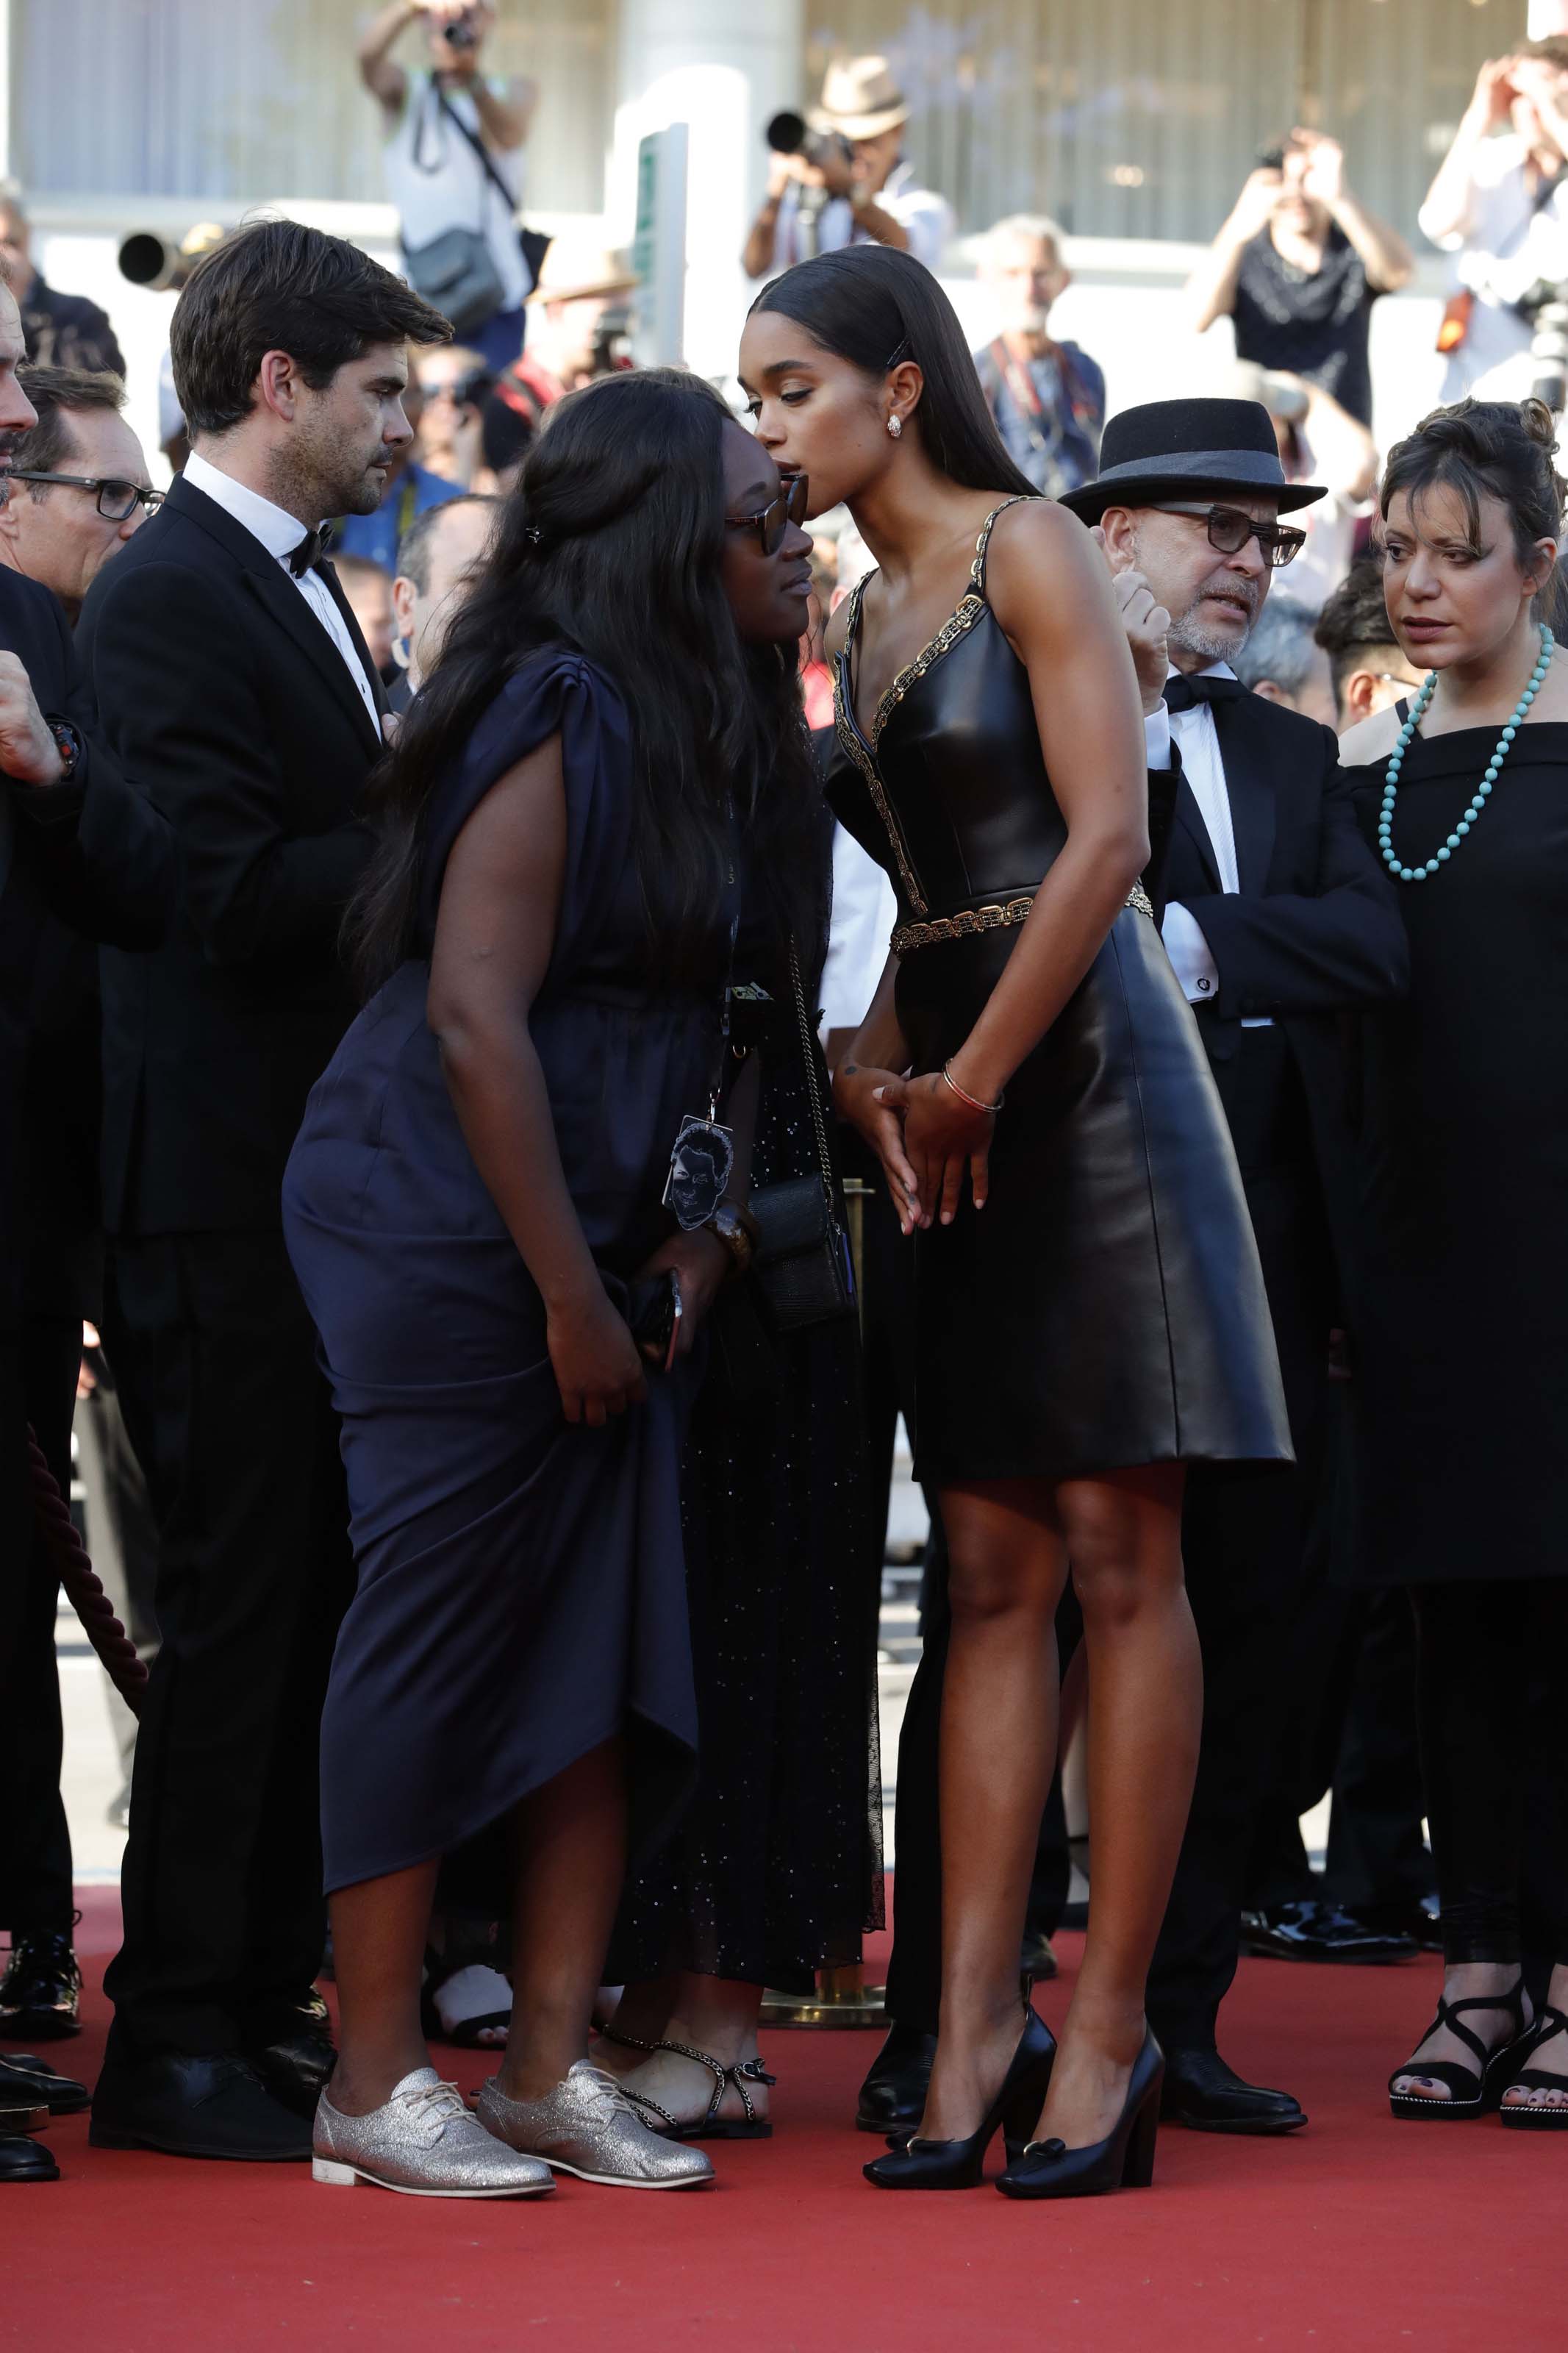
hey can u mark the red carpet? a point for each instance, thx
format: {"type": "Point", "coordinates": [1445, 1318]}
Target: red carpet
{"type": "Point", "coordinates": [1358, 2233]}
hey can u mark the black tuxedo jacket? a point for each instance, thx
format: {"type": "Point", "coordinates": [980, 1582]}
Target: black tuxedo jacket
{"type": "Point", "coordinates": [1314, 931]}
{"type": "Point", "coordinates": [79, 863]}
{"type": "Point", "coordinates": [233, 710]}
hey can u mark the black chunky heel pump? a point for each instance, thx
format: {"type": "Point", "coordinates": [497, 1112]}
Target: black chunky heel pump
{"type": "Point", "coordinates": [961, 2164]}
{"type": "Point", "coordinates": [1123, 2160]}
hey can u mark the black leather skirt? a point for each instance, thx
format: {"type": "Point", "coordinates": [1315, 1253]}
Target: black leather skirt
{"type": "Point", "coordinates": [1106, 1308]}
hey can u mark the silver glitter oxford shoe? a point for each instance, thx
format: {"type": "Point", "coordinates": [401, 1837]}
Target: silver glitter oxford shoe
{"type": "Point", "coordinates": [424, 2142]}
{"type": "Point", "coordinates": [586, 2125]}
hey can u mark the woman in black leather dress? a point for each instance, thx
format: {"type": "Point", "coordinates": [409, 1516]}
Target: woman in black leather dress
{"type": "Point", "coordinates": [1091, 1316]}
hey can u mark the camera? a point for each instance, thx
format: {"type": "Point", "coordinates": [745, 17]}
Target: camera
{"type": "Point", "coordinates": [463, 32]}
{"type": "Point", "coordinates": [1544, 309]}
{"type": "Point", "coordinates": [788, 134]}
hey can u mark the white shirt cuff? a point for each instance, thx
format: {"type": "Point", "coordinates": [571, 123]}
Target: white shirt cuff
{"type": "Point", "coordinates": [1157, 736]}
{"type": "Point", "coordinates": [1189, 955]}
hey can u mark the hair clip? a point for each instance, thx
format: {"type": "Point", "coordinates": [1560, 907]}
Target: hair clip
{"type": "Point", "coordinates": [534, 535]}
{"type": "Point", "coordinates": [900, 351]}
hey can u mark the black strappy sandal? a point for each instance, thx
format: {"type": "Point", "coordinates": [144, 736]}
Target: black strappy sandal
{"type": "Point", "coordinates": [1536, 2079]}
{"type": "Point", "coordinates": [712, 2125]}
{"type": "Point", "coordinates": [1472, 2091]}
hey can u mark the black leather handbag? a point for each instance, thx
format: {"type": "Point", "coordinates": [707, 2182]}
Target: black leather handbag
{"type": "Point", "coordinates": [802, 1265]}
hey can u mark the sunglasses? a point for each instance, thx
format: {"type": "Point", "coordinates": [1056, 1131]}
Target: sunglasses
{"type": "Point", "coordinates": [1229, 529]}
{"type": "Point", "coordinates": [775, 519]}
{"type": "Point", "coordinates": [116, 500]}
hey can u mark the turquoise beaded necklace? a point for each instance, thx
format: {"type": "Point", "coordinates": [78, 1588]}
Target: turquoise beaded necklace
{"type": "Point", "coordinates": [1391, 858]}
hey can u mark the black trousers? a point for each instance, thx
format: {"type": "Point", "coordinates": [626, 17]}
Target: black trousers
{"type": "Point", "coordinates": [216, 1360]}
{"type": "Point", "coordinates": [1252, 1575]}
{"type": "Point", "coordinates": [1495, 1762]}
{"type": "Point", "coordinates": [35, 1844]}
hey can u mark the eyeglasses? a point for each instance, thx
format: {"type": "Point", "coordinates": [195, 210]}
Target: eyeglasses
{"type": "Point", "coordinates": [771, 524]}
{"type": "Point", "coordinates": [1229, 529]}
{"type": "Point", "coordinates": [117, 500]}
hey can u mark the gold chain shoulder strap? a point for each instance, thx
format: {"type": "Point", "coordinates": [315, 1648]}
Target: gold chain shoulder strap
{"type": "Point", "coordinates": [977, 569]}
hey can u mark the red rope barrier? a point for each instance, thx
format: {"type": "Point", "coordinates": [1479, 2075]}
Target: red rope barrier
{"type": "Point", "coordinates": [84, 1594]}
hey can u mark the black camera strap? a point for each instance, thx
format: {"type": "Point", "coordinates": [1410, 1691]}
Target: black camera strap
{"type": "Point", "coordinates": [533, 242]}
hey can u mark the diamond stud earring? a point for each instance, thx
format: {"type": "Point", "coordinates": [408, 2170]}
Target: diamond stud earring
{"type": "Point", "coordinates": [895, 426]}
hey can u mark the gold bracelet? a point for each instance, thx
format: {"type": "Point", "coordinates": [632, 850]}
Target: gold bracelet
{"type": "Point", "coordinates": [973, 1102]}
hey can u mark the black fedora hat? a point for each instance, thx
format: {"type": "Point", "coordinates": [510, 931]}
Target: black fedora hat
{"type": "Point", "coordinates": [1183, 448]}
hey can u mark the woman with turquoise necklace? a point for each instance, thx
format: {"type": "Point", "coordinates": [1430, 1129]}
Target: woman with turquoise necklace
{"type": "Point", "coordinates": [1462, 1371]}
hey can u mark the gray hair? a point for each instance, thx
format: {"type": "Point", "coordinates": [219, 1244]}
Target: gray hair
{"type": "Point", "coordinates": [1280, 645]}
{"type": "Point", "coordinates": [415, 549]}
{"type": "Point", "coordinates": [1031, 226]}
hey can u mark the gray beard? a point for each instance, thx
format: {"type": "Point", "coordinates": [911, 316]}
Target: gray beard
{"type": "Point", "coordinates": [1189, 636]}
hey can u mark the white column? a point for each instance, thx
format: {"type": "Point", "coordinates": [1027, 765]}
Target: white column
{"type": "Point", "coordinates": [721, 67]}
{"type": "Point", "coordinates": [9, 32]}
{"type": "Point", "coordinates": [1546, 17]}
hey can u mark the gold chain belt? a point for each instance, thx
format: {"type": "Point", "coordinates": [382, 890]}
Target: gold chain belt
{"type": "Point", "coordinates": [997, 917]}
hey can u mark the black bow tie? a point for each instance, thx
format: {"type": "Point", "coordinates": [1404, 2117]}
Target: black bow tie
{"type": "Point", "coordinates": [1184, 693]}
{"type": "Point", "coordinates": [311, 552]}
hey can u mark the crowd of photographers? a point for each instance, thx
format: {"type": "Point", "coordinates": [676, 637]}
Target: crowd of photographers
{"type": "Point", "coordinates": [86, 862]}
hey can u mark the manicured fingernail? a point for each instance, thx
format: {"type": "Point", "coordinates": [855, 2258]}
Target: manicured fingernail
{"type": "Point", "coordinates": [947, 1217]}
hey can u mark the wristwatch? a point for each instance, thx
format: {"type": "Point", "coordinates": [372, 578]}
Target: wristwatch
{"type": "Point", "coordinates": [739, 1231]}
{"type": "Point", "coordinates": [70, 745]}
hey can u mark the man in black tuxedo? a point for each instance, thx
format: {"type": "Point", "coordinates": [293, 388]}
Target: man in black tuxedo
{"type": "Point", "coordinates": [238, 693]}
{"type": "Point", "coordinates": [83, 859]}
{"type": "Point", "coordinates": [1277, 918]}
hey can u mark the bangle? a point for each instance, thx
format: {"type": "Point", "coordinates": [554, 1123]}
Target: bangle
{"type": "Point", "coordinates": [738, 1231]}
{"type": "Point", "coordinates": [973, 1102]}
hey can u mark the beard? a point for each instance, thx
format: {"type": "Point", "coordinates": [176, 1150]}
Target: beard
{"type": "Point", "coordinates": [1212, 640]}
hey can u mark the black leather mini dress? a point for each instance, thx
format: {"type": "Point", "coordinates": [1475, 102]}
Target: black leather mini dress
{"type": "Point", "coordinates": [1106, 1308]}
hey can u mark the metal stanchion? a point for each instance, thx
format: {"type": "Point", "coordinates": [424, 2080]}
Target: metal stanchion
{"type": "Point", "coordinates": [842, 1997]}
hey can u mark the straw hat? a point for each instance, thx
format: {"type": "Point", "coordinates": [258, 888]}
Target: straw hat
{"type": "Point", "coordinates": [570, 272]}
{"type": "Point", "coordinates": [860, 100]}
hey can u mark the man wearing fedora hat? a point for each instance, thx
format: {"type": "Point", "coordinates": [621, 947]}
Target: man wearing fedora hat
{"type": "Point", "coordinates": [1277, 919]}
{"type": "Point", "coordinates": [855, 187]}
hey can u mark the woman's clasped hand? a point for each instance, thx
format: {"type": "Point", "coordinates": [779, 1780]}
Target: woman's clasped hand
{"type": "Point", "coordinates": [927, 1137]}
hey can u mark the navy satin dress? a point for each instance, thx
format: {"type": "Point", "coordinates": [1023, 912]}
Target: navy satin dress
{"type": "Point", "coordinates": [1106, 1308]}
{"type": "Point", "coordinates": [521, 1593]}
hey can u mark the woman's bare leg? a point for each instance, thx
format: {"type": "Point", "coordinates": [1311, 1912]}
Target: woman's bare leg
{"type": "Point", "coordinates": [379, 1928]}
{"type": "Point", "coordinates": [572, 1854]}
{"type": "Point", "coordinates": [718, 2015]}
{"type": "Point", "coordinates": [1145, 1711]}
{"type": "Point", "coordinates": [1006, 1571]}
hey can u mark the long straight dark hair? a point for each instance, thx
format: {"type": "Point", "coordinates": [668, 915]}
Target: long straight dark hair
{"type": "Point", "coordinates": [611, 544]}
{"type": "Point", "coordinates": [875, 307]}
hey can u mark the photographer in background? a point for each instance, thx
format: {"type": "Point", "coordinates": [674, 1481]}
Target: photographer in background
{"type": "Point", "coordinates": [1297, 268]}
{"type": "Point", "coordinates": [1500, 203]}
{"type": "Point", "coordinates": [846, 182]}
{"type": "Point", "coordinates": [454, 170]}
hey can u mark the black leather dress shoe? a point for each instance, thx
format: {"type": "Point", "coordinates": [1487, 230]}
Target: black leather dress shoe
{"type": "Point", "coordinates": [40, 1993]}
{"type": "Point", "coordinates": [296, 2068]}
{"type": "Point", "coordinates": [1421, 1922]}
{"type": "Point", "coordinates": [192, 2105]}
{"type": "Point", "coordinates": [1319, 1932]}
{"type": "Point", "coordinates": [24, 2160]}
{"type": "Point", "coordinates": [26, 2081]}
{"type": "Point", "coordinates": [1202, 2092]}
{"type": "Point", "coordinates": [893, 2095]}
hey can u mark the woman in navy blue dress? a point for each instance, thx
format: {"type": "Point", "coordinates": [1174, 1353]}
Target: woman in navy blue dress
{"type": "Point", "coordinates": [477, 1184]}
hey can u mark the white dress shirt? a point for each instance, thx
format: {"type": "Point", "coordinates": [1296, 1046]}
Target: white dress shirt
{"type": "Point", "coordinates": [1197, 740]}
{"type": "Point", "coordinates": [864, 914]}
{"type": "Point", "coordinates": [279, 533]}
{"type": "Point", "coordinates": [926, 219]}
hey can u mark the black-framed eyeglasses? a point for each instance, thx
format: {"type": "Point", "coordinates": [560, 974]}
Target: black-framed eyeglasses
{"type": "Point", "coordinates": [775, 519]}
{"type": "Point", "coordinates": [1229, 529]}
{"type": "Point", "coordinates": [116, 500]}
